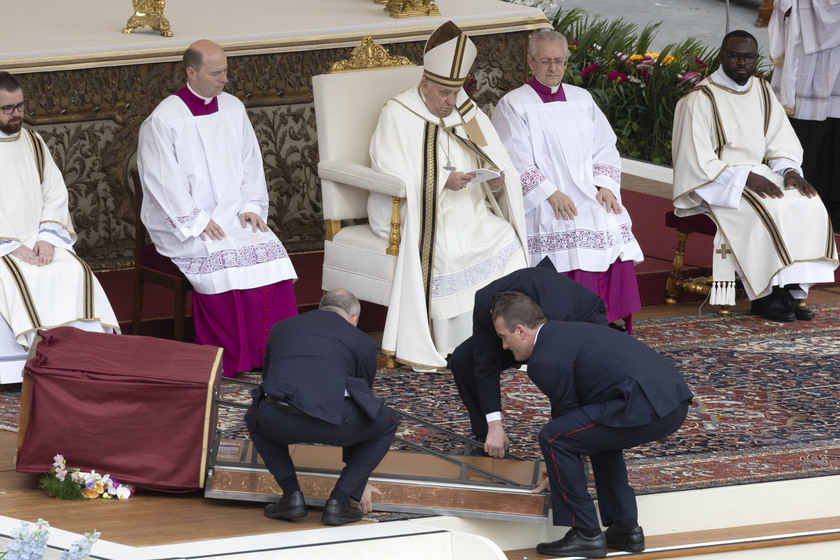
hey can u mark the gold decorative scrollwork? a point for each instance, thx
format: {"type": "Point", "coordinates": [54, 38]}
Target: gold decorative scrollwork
{"type": "Point", "coordinates": [368, 56]}
{"type": "Point", "coordinates": [412, 8]}
{"type": "Point", "coordinates": [148, 13]}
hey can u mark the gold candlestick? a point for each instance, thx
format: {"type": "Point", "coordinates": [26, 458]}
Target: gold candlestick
{"type": "Point", "coordinates": [148, 13]}
{"type": "Point", "coordinates": [412, 8]}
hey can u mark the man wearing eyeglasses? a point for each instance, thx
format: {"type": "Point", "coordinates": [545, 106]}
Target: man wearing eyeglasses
{"type": "Point", "coordinates": [43, 283]}
{"type": "Point", "coordinates": [736, 157]}
{"type": "Point", "coordinates": [564, 149]}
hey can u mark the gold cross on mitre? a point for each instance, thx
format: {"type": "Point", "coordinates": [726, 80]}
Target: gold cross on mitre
{"type": "Point", "coordinates": [723, 251]}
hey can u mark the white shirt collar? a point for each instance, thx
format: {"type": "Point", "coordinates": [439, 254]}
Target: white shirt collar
{"type": "Point", "coordinates": [553, 89]}
{"type": "Point", "coordinates": [206, 99]}
{"type": "Point", "coordinates": [536, 334]}
{"type": "Point", "coordinates": [720, 77]}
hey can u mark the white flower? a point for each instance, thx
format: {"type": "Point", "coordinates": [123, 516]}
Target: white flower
{"type": "Point", "coordinates": [58, 460]}
{"type": "Point", "coordinates": [124, 492]}
{"type": "Point", "coordinates": [60, 473]}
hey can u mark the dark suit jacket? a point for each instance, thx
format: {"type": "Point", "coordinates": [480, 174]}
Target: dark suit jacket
{"type": "Point", "coordinates": [617, 380]}
{"type": "Point", "coordinates": [560, 298]}
{"type": "Point", "coordinates": [311, 359]}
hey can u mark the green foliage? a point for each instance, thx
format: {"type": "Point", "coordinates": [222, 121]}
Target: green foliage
{"type": "Point", "coordinates": [636, 89]}
{"type": "Point", "coordinates": [62, 489]}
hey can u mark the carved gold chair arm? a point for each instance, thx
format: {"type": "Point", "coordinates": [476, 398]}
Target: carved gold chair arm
{"type": "Point", "coordinates": [394, 237]}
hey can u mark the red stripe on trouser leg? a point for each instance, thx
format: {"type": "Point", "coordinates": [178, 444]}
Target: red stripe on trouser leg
{"type": "Point", "coordinates": [557, 471]}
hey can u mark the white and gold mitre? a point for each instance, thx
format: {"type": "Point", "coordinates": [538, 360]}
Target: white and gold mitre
{"type": "Point", "coordinates": [449, 56]}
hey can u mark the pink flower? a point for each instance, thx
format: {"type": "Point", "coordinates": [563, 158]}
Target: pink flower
{"type": "Point", "coordinates": [617, 77]}
{"type": "Point", "coordinates": [588, 69]}
{"type": "Point", "coordinates": [689, 77]}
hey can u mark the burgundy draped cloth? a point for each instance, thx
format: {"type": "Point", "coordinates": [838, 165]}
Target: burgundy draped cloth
{"type": "Point", "coordinates": [135, 407]}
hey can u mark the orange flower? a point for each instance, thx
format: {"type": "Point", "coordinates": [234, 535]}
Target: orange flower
{"type": "Point", "coordinates": [90, 493]}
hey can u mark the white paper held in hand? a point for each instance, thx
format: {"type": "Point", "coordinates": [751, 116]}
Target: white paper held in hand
{"type": "Point", "coordinates": [484, 175]}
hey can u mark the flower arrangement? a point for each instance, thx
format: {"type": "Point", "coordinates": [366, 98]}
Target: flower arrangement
{"type": "Point", "coordinates": [73, 484]}
{"type": "Point", "coordinates": [29, 544]}
{"type": "Point", "coordinates": [636, 88]}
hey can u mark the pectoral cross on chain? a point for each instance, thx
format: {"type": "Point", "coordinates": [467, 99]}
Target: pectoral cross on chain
{"type": "Point", "coordinates": [723, 251]}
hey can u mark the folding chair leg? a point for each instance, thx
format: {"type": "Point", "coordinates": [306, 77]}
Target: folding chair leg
{"type": "Point", "coordinates": [180, 310]}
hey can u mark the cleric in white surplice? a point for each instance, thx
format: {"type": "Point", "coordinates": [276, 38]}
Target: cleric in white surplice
{"type": "Point", "coordinates": [457, 235]}
{"type": "Point", "coordinates": [43, 284]}
{"type": "Point", "coordinates": [206, 206]}
{"type": "Point", "coordinates": [570, 169]}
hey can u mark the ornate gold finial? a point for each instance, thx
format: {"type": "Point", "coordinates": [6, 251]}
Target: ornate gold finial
{"type": "Point", "coordinates": [412, 8]}
{"type": "Point", "coordinates": [148, 13]}
{"type": "Point", "coordinates": [367, 56]}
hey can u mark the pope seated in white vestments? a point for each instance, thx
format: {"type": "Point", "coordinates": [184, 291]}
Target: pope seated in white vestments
{"type": "Point", "coordinates": [564, 150]}
{"type": "Point", "coordinates": [737, 158]}
{"type": "Point", "coordinates": [457, 234]}
{"type": "Point", "coordinates": [43, 284]}
{"type": "Point", "coordinates": [205, 206]}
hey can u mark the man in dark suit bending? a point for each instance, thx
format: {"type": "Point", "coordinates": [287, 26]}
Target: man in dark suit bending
{"type": "Point", "coordinates": [478, 362]}
{"type": "Point", "coordinates": [608, 392]}
{"type": "Point", "coordinates": [317, 378]}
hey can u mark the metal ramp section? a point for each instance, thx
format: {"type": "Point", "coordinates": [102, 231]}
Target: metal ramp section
{"type": "Point", "coordinates": [417, 480]}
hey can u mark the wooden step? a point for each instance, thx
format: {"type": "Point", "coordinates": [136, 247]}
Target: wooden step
{"type": "Point", "coordinates": [753, 537]}
{"type": "Point", "coordinates": [410, 482]}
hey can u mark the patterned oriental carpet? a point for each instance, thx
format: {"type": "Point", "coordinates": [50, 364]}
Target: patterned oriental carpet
{"type": "Point", "coordinates": [766, 405]}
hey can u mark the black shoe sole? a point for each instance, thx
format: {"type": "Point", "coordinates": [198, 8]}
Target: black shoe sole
{"type": "Point", "coordinates": [627, 548]}
{"type": "Point", "coordinates": [336, 521]}
{"type": "Point", "coordinates": [287, 515]}
{"type": "Point", "coordinates": [563, 553]}
{"type": "Point", "coordinates": [774, 319]}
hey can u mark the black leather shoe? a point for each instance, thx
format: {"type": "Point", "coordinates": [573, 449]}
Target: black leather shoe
{"type": "Point", "coordinates": [797, 307]}
{"type": "Point", "coordinates": [772, 307]}
{"type": "Point", "coordinates": [576, 544]}
{"type": "Point", "coordinates": [634, 541]}
{"type": "Point", "coordinates": [288, 508]}
{"type": "Point", "coordinates": [336, 513]}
